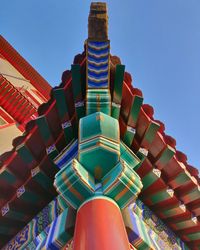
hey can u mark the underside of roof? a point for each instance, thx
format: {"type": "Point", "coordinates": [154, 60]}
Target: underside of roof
{"type": "Point", "coordinates": [170, 185]}
{"type": "Point", "coordinates": [8, 53]}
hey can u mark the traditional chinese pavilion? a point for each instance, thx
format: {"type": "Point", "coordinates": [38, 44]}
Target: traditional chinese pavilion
{"type": "Point", "coordinates": [95, 170]}
{"type": "Point", "coordinates": [22, 91]}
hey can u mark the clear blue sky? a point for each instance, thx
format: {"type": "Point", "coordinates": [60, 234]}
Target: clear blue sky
{"type": "Point", "coordinates": [157, 40]}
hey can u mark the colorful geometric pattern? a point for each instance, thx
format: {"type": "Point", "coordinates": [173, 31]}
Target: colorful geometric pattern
{"type": "Point", "coordinates": [61, 230]}
{"type": "Point", "coordinates": [74, 183]}
{"type": "Point", "coordinates": [122, 184]}
{"type": "Point", "coordinates": [55, 235]}
{"type": "Point", "coordinates": [39, 242]}
{"type": "Point", "coordinates": [145, 230]}
{"type": "Point", "coordinates": [98, 100]}
{"type": "Point", "coordinates": [98, 74]}
{"type": "Point", "coordinates": [99, 143]}
{"type": "Point", "coordinates": [70, 152]}
{"type": "Point", "coordinates": [98, 64]}
{"type": "Point", "coordinates": [99, 163]}
{"type": "Point", "coordinates": [37, 225]}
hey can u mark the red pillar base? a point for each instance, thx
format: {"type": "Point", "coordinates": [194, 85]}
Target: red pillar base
{"type": "Point", "coordinates": [99, 226]}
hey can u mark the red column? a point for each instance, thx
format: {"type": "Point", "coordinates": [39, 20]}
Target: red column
{"type": "Point", "coordinates": [99, 226]}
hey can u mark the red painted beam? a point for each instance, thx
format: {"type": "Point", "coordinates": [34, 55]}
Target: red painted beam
{"type": "Point", "coordinates": [142, 124]}
{"type": "Point", "coordinates": [194, 245]}
{"type": "Point", "coordinates": [195, 207]}
{"type": "Point", "coordinates": [189, 230]}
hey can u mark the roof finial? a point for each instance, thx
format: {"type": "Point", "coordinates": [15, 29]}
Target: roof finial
{"type": "Point", "coordinates": [98, 22]}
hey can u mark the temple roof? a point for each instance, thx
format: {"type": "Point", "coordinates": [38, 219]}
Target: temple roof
{"type": "Point", "coordinates": [17, 61]}
{"type": "Point", "coordinates": [171, 185]}
{"type": "Point", "coordinates": [22, 90]}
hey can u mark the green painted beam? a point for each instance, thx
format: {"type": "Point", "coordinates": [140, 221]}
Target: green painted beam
{"type": "Point", "coordinates": [115, 110]}
{"type": "Point", "coordinates": [194, 236]}
{"type": "Point", "coordinates": [11, 213]}
{"type": "Point", "coordinates": [25, 154]}
{"type": "Point", "coordinates": [191, 195]}
{"type": "Point", "coordinates": [44, 128]}
{"type": "Point", "coordinates": [62, 108]}
{"type": "Point", "coordinates": [98, 100]}
{"type": "Point", "coordinates": [150, 178]}
{"type": "Point", "coordinates": [117, 92]}
{"type": "Point", "coordinates": [47, 137]}
{"type": "Point", "coordinates": [118, 83]}
{"type": "Point", "coordinates": [129, 136]}
{"type": "Point", "coordinates": [132, 120]}
{"type": "Point", "coordinates": [7, 176]}
{"type": "Point", "coordinates": [5, 229]}
{"type": "Point", "coordinates": [61, 104]}
{"type": "Point", "coordinates": [77, 93]}
{"type": "Point", "coordinates": [43, 180]}
{"type": "Point", "coordinates": [142, 155]}
{"type": "Point", "coordinates": [173, 211]}
{"type": "Point", "coordinates": [182, 178]}
{"type": "Point", "coordinates": [191, 222]}
{"type": "Point", "coordinates": [128, 156]}
{"type": "Point", "coordinates": [162, 195]}
{"type": "Point", "coordinates": [150, 134]}
{"type": "Point", "coordinates": [28, 196]}
{"type": "Point", "coordinates": [165, 156]}
{"type": "Point", "coordinates": [134, 111]}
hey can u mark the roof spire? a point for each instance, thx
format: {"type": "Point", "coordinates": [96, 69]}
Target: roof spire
{"type": "Point", "coordinates": [98, 22]}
